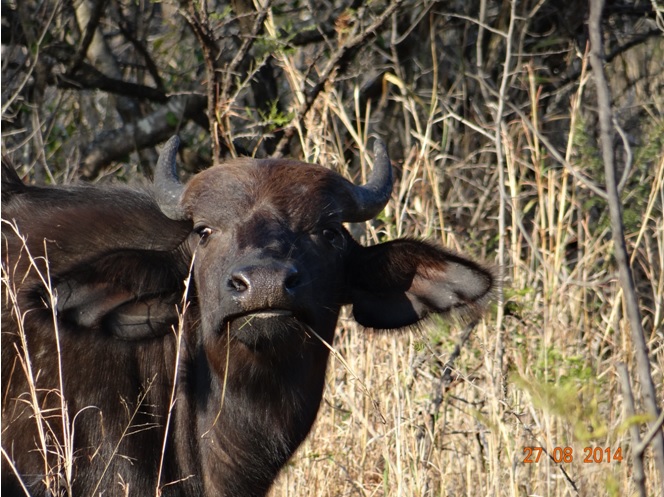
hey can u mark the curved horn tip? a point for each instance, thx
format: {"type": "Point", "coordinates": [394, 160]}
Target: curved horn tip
{"type": "Point", "coordinates": [166, 162]}
{"type": "Point", "coordinates": [168, 189]}
{"type": "Point", "coordinates": [381, 175]}
{"type": "Point", "coordinates": [380, 149]}
{"type": "Point", "coordinates": [170, 148]}
{"type": "Point", "coordinates": [173, 141]}
{"type": "Point", "coordinates": [371, 198]}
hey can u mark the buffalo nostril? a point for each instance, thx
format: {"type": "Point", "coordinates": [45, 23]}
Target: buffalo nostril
{"type": "Point", "coordinates": [239, 282]}
{"type": "Point", "coordinates": [263, 281]}
{"type": "Point", "coordinates": [292, 279]}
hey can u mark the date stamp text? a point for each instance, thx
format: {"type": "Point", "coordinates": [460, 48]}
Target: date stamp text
{"type": "Point", "coordinates": [560, 455]}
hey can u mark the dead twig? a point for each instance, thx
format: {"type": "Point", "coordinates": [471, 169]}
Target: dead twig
{"type": "Point", "coordinates": [637, 457]}
{"type": "Point", "coordinates": [617, 228]}
{"type": "Point", "coordinates": [337, 65]}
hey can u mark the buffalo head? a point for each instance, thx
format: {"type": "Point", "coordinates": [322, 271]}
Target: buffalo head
{"type": "Point", "coordinates": [274, 260]}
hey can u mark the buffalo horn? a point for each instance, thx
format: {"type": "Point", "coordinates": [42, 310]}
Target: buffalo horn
{"type": "Point", "coordinates": [372, 197]}
{"type": "Point", "coordinates": [167, 186]}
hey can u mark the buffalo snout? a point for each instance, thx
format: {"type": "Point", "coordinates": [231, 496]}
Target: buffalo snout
{"type": "Point", "coordinates": [264, 285]}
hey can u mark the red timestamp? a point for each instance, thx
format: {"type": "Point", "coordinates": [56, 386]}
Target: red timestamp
{"type": "Point", "coordinates": [591, 455]}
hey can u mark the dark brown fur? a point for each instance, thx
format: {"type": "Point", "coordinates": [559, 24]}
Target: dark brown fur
{"type": "Point", "coordinates": [272, 267]}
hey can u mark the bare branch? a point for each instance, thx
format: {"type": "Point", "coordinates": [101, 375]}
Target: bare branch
{"type": "Point", "coordinates": [90, 30]}
{"type": "Point", "coordinates": [337, 65]}
{"type": "Point", "coordinates": [148, 131]}
{"type": "Point", "coordinates": [628, 404]}
{"type": "Point", "coordinates": [103, 57]}
{"type": "Point", "coordinates": [617, 227]}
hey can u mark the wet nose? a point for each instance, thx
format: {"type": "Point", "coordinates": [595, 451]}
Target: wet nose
{"type": "Point", "coordinates": [264, 285]}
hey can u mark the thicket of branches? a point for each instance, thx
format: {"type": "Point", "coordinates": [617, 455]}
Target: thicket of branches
{"type": "Point", "coordinates": [489, 110]}
{"type": "Point", "coordinates": [88, 83]}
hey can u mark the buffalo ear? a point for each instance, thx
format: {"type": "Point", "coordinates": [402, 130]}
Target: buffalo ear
{"type": "Point", "coordinates": [398, 283]}
{"type": "Point", "coordinates": [11, 183]}
{"type": "Point", "coordinates": [129, 294]}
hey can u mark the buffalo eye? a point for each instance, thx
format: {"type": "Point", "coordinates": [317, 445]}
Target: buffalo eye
{"type": "Point", "coordinates": [334, 237]}
{"type": "Point", "coordinates": [203, 233]}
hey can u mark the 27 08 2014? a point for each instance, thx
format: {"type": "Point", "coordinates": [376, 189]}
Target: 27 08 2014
{"type": "Point", "coordinates": [591, 455]}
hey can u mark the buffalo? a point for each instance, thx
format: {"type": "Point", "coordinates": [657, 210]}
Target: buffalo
{"type": "Point", "coordinates": [174, 340]}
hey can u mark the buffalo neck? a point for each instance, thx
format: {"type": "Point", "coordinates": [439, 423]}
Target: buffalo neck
{"type": "Point", "coordinates": [252, 409]}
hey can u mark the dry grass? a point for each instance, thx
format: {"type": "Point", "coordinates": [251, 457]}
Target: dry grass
{"type": "Point", "coordinates": [52, 423]}
{"type": "Point", "coordinates": [541, 369]}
